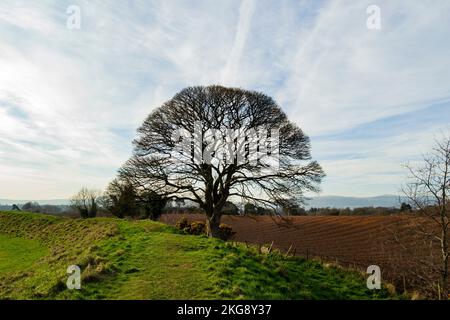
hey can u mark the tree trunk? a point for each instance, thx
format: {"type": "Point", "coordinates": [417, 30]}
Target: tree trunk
{"type": "Point", "coordinates": [444, 247]}
{"type": "Point", "coordinates": [212, 225]}
{"type": "Point", "coordinates": [445, 292]}
{"type": "Point", "coordinates": [444, 244]}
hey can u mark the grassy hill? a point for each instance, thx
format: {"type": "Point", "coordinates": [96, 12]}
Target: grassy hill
{"type": "Point", "coordinates": [123, 259]}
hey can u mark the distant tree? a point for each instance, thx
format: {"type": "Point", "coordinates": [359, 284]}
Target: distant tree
{"type": "Point", "coordinates": [86, 202]}
{"type": "Point", "coordinates": [230, 209]}
{"type": "Point", "coordinates": [36, 207]}
{"type": "Point", "coordinates": [262, 211]}
{"type": "Point", "coordinates": [428, 192]}
{"type": "Point", "coordinates": [250, 209]}
{"type": "Point", "coordinates": [360, 211]}
{"type": "Point", "coordinates": [120, 199]}
{"type": "Point", "coordinates": [209, 115]}
{"type": "Point", "coordinates": [405, 207]}
{"type": "Point", "coordinates": [32, 207]}
{"type": "Point", "coordinates": [179, 203]}
{"type": "Point", "coordinates": [51, 209]}
{"type": "Point", "coordinates": [291, 208]}
{"type": "Point", "coordinates": [295, 210]}
{"type": "Point", "coordinates": [345, 212]}
{"type": "Point", "coordinates": [151, 203]}
{"type": "Point", "coordinates": [15, 207]}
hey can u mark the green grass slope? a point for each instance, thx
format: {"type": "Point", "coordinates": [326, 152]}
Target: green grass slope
{"type": "Point", "coordinates": [18, 254]}
{"type": "Point", "coordinates": [123, 259]}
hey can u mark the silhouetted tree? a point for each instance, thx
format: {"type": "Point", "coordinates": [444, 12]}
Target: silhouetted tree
{"type": "Point", "coordinates": [405, 207]}
{"type": "Point", "coordinates": [219, 167]}
{"type": "Point", "coordinates": [120, 199]}
{"type": "Point", "coordinates": [32, 207]}
{"type": "Point", "coordinates": [250, 209]}
{"type": "Point", "coordinates": [292, 209]}
{"type": "Point", "coordinates": [230, 208]}
{"type": "Point", "coordinates": [151, 203]}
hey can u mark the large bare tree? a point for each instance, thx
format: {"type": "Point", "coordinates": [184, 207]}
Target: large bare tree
{"type": "Point", "coordinates": [208, 144]}
{"type": "Point", "coordinates": [428, 192]}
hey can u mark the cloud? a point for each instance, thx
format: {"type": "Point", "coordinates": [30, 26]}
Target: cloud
{"type": "Point", "coordinates": [231, 70]}
{"type": "Point", "coordinates": [343, 74]}
{"type": "Point", "coordinates": [70, 100]}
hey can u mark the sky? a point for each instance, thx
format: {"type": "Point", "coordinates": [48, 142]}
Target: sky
{"type": "Point", "coordinates": [71, 99]}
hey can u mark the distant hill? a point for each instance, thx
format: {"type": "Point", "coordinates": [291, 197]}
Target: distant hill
{"type": "Point", "coordinates": [316, 202]}
{"type": "Point", "coordinates": [354, 202]}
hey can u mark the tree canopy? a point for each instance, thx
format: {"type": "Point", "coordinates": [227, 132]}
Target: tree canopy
{"type": "Point", "coordinates": [208, 144]}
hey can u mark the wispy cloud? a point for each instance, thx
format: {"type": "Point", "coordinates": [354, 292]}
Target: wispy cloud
{"type": "Point", "coordinates": [231, 70]}
{"type": "Point", "coordinates": [70, 100]}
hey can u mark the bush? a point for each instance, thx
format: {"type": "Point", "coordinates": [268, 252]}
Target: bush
{"type": "Point", "coordinates": [225, 232]}
{"type": "Point", "coordinates": [182, 224]}
{"type": "Point", "coordinates": [196, 227]}
{"type": "Point", "coordinates": [199, 228]}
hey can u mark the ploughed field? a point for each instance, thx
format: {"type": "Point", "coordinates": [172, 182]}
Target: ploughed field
{"type": "Point", "coordinates": [407, 258]}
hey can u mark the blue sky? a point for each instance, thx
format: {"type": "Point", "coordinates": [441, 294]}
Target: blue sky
{"type": "Point", "coordinates": [71, 100]}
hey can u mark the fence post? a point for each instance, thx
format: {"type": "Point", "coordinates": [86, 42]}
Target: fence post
{"type": "Point", "coordinates": [404, 284]}
{"type": "Point", "coordinates": [289, 250]}
{"type": "Point", "coordinates": [439, 291]}
{"type": "Point", "coordinates": [270, 248]}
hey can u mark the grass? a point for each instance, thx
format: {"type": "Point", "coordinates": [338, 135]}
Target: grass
{"type": "Point", "coordinates": [123, 259]}
{"type": "Point", "coordinates": [17, 254]}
